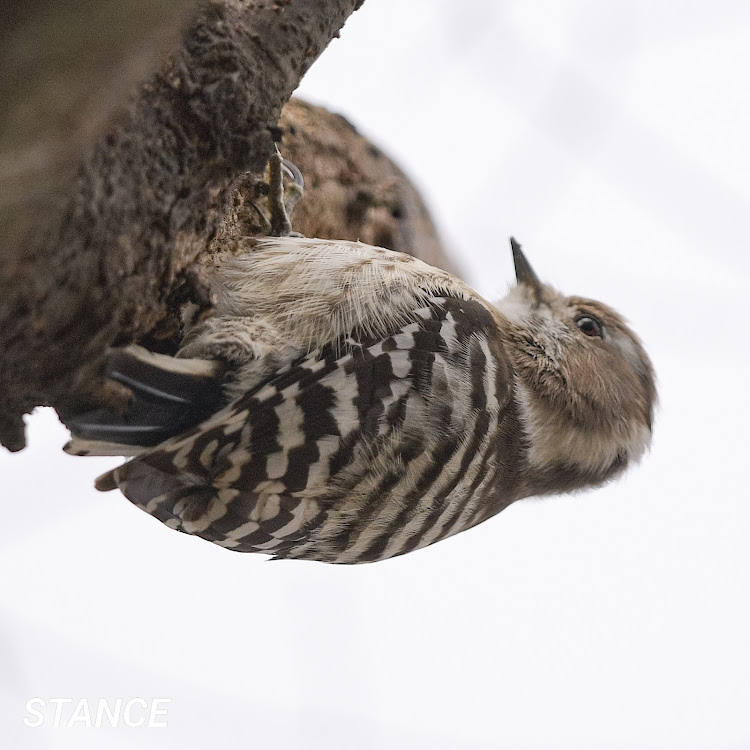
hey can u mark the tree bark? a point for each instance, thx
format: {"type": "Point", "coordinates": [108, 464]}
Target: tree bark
{"type": "Point", "coordinates": [109, 208]}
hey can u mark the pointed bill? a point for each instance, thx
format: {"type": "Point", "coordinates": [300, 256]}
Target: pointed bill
{"type": "Point", "coordinates": [524, 272]}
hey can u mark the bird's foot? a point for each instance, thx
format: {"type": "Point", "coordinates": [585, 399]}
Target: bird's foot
{"type": "Point", "coordinates": [282, 201]}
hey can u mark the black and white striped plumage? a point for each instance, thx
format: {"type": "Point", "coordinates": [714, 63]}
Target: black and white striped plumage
{"type": "Point", "coordinates": [372, 405]}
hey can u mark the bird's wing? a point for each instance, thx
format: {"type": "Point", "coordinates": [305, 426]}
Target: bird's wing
{"type": "Point", "coordinates": [333, 434]}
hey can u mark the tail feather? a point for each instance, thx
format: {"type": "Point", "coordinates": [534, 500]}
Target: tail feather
{"type": "Point", "coordinates": [106, 482]}
{"type": "Point", "coordinates": [170, 395]}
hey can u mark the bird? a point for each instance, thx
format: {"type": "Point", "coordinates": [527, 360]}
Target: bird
{"type": "Point", "coordinates": [347, 404]}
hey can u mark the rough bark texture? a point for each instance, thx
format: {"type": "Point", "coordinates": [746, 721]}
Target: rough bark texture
{"type": "Point", "coordinates": [107, 211]}
{"type": "Point", "coordinates": [353, 191]}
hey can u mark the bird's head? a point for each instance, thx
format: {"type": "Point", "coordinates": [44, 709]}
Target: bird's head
{"type": "Point", "coordinates": [585, 386]}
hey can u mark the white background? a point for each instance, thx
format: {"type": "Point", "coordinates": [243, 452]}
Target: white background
{"type": "Point", "coordinates": [613, 139]}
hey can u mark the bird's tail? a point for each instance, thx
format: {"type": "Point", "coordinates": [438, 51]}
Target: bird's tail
{"type": "Point", "coordinates": [170, 395]}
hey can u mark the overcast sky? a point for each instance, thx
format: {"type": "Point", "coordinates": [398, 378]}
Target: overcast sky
{"type": "Point", "coordinates": [612, 138]}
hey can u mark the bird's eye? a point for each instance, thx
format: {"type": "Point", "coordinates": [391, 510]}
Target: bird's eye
{"type": "Point", "coordinates": [590, 326]}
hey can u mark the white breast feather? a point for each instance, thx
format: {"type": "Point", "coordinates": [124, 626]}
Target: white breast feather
{"type": "Point", "coordinates": [314, 291]}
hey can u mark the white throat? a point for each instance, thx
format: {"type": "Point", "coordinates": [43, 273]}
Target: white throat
{"type": "Point", "coordinates": [555, 442]}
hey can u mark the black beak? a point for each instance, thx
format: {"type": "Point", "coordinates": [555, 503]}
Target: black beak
{"type": "Point", "coordinates": [524, 272]}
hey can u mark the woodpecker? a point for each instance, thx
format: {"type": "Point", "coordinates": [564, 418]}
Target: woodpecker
{"type": "Point", "coordinates": [347, 404]}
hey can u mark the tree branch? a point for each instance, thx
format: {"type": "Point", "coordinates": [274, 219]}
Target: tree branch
{"type": "Point", "coordinates": [103, 253]}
